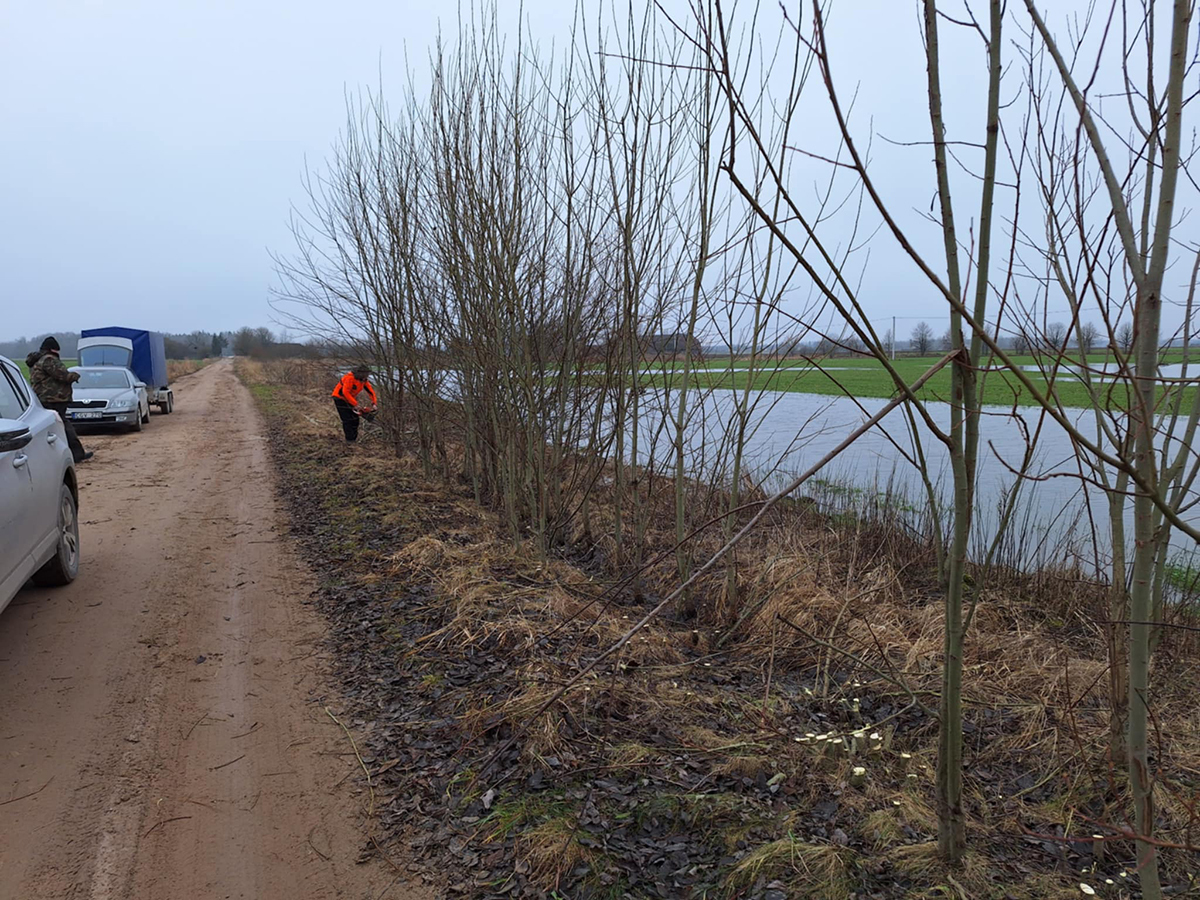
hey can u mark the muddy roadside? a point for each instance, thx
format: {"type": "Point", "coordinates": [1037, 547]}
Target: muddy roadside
{"type": "Point", "coordinates": [164, 725]}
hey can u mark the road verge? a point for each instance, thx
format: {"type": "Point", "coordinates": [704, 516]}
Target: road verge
{"type": "Point", "coordinates": [788, 755]}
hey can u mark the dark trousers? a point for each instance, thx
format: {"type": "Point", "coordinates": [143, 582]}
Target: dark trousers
{"type": "Point", "coordinates": [349, 418]}
{"type": "Point", "coordinates": [72, 437]}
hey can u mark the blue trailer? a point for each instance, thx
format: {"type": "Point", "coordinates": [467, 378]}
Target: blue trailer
{"type": "Point", "coordinates": [142, 352]}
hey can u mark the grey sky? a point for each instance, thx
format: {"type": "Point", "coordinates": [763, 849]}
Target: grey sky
{"type": "Point", "coordinates": [150, 150]}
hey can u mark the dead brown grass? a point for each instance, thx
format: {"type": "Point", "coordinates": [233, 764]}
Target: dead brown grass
{"type": "Point", "coordinates": [816, 871]}
{"type": "Point", "coordinates": [178, 368]}
{"type": "Point", "coordinates": [553, 849]}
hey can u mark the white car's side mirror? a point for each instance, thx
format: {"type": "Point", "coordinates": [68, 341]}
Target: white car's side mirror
{"type": "Point", "coordinates": [15, 440]}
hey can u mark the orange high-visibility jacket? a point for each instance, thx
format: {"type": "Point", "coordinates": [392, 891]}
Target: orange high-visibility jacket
{"type": "Point", "coordinates": [349, 387]}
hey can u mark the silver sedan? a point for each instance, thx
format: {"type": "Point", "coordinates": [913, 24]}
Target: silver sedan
{"type": "Point", "coordinates": [108, 395]}
{"type": "Point", "coordinates": [39, 526]}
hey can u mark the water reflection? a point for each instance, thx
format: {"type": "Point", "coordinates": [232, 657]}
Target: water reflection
{"type": "Point", "coordinates": [1057, 513]}
{"type": "Point", "coordinates": [1058, 516]}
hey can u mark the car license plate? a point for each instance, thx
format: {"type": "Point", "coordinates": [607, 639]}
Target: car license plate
{"type": "Point", "coordinates": [86, 414]}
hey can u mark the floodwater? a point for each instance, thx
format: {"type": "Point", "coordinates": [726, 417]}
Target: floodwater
{"type": "Point", "coordinates": [1059, 518]}
{"type": "Point", "coordinates": [1057, 515]}
{"type": "Point", "coordinates": [1169, 372]}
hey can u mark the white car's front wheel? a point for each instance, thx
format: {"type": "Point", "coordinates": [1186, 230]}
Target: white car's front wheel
{"type": "Point", "coordinates": [63, 566]}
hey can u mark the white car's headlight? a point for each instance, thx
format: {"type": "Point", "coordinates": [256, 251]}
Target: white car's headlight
{"type": "Point", "coordinates": [122, 403]}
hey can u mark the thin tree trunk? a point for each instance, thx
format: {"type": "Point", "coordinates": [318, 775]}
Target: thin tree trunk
{"type": "Point", "coordinates": [1117, 633]}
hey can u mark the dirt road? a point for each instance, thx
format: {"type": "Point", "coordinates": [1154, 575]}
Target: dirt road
{"type": "Point", "coordinates": [162, 723]}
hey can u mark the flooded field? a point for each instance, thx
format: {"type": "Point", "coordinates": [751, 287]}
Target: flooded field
{"type": "Point", "coordinates": [1056, 512]}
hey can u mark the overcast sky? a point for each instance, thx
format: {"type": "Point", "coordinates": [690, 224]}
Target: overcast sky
{"type": "Point", "coordinates": [150, 149]}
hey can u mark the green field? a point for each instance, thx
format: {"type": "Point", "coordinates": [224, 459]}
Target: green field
{"type": "Point", "coordinates": [861, 377]}
{"type": "Point", "coordinates": [25, 369]}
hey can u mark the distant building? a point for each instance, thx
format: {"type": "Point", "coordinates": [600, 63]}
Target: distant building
{"type": "Point", "coordinates": [672, 343]}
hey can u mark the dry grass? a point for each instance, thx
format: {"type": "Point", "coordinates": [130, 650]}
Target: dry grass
{"type": "Point", "coordinates": [974, 879]}
{"type": "Point", "coordinates": [803, 870]}
{"type": "Point", "coordinates": [178, 368]}
{"type": "Point", "coordinates": [881, 829]}
{"type": "Point", "coordinates": [425, 552]}
{"type": "Point", "coordinates": [553, 848]}
{"type": "Point", "coordinates": [630, 754]}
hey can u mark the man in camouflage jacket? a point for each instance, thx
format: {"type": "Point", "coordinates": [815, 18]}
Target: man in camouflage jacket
{"type": "Point", "coordinates": [52, 382]}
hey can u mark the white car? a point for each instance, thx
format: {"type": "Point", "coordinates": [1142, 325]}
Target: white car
{"type": "Point", "coordinates": [39, 496]}
{"type": "Point", "coordinates": [108, 395]}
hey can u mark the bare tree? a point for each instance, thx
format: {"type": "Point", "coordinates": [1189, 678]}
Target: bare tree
{"type": "Point", "coordinates": [1118, 271]}
{"type": "Point", "coordinates": [1055, 334]}
{"type": "Point", "coordinates": [922, 338]}
{"type": "Point", "coordinates": [1124, 337]}
{"type": "Point", "coordinates": [962, 437]}
{"type": "Point", "coordinates": [1086, 337]}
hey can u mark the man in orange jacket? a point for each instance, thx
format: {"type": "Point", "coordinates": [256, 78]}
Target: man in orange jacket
{"type": "Point", "coordinates": [345, 398]}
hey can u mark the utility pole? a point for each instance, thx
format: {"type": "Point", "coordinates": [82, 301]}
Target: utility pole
{"type": "Point", "coordinates": [893, 338]}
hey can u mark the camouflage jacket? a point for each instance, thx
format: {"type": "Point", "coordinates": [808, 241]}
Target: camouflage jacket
{"type": "Point", "coordinates": [51, 380]}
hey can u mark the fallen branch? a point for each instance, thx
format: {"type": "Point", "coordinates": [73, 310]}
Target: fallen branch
{"type": "Point", "coordinates": [1178, 625]}
{"type": "Point", "coordinates": [862, 662]}
{"type": "Point", "coordinates": [1118, 834]}
{"type": "Point", "coordinates": [164, 822]}
{"type": "Point", "coordinates": [370, 791]}
{"type": "Point", "coordinates": [30, 794]}
{"type": "Point", "coordinates": [230, 763]}
{"type": "Point", "coordinates": [195, 725]}
{"type": "Point", "coordinates": [314, 846]}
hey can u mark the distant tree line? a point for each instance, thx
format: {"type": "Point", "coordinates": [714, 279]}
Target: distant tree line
{"type": "Point", "coordinates": [1049, 339]}
{"type": "Point", "coordinates": [262, 343]}
{"type": "Point", "coordinates": [924, 342]}
{"type": "Point", "coordinates": [18, 348]}
{"type": "Point", "coordinates": [196, 345]}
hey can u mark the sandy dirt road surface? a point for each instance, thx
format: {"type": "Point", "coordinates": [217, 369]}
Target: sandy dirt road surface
{"type": "Point", "coordinates": [162, 722]}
